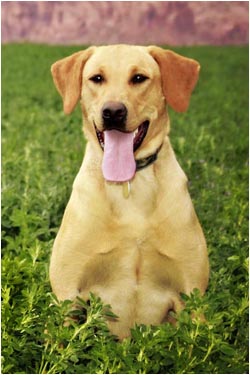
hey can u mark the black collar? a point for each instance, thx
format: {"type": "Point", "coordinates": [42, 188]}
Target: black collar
{"type": "Point", "coordinates": [145, 162]}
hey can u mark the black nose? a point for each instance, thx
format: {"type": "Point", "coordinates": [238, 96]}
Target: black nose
{"type": "Point", "coordinates": [114, 115]}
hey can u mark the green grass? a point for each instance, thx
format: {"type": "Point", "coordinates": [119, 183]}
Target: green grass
{"type": "Point", "coordinates": [41, 153]}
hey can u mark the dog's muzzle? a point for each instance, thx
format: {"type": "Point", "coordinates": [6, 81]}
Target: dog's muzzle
{"type": "Point", "coordinates": [118, 143]}
{"type": "Point", "coordinates": [139, 135]}
{"type": "Point", "coordinates": [114, 116]}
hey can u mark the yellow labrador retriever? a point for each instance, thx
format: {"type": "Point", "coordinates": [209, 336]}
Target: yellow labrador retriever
{"type": "Point", "coordinates": [129, 233]}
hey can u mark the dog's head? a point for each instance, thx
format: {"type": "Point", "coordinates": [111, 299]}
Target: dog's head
{"type": "Point", "coordinates": [123, 91]}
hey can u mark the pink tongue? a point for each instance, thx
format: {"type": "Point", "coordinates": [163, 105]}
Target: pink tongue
{"type": "Point", "coordinates": [118, 163]}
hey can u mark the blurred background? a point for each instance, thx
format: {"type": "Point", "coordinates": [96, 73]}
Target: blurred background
{"type": "Point", "coordinates": [141, 22]}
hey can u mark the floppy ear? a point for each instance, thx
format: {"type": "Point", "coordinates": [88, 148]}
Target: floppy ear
{"type": "Point", "coordinates": [179, 76]}
{"type": "Point", "coordinates": [67, 77]}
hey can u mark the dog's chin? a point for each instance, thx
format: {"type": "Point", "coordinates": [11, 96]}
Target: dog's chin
{"type": "Point", "coordinates": [139, 135]}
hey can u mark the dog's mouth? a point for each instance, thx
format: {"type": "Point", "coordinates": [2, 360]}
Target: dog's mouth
{"type": "Point", "coordinates": [118, 159]}
{"type": "Point", "coordinates": [139, 134]}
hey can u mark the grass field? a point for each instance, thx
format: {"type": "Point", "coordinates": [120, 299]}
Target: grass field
{"type": "Point", "coordinates": [42, 150]}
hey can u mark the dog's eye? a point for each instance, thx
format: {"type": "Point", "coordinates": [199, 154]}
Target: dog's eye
{"type": "Point", "coordinates": [138, 78]}
{"type": "Point", "coordinates": [97, 78]}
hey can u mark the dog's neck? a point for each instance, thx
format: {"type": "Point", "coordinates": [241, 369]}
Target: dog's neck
{"type": "Point", "coordinates": [140, 164]}
{"type": "Point", "coordinates": [145, 162]}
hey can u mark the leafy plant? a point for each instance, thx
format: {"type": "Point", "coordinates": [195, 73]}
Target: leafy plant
{"type": "Point", "coordinates": [42, 151]}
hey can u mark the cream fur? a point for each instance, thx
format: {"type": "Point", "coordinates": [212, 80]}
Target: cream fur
{"type": "Point", "coordinates": [138, 253]}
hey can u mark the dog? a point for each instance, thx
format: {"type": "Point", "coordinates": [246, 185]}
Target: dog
{"type": "Point", "coordinates": [129, 233]}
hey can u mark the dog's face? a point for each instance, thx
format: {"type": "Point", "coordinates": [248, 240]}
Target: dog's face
{"type": "Point", "coordinates": [124, 90]}
{"type": "Point", "coordinates": [121, 88]}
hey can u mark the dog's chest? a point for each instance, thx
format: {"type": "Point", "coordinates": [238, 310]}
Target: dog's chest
{"type": "Point", "coordinates": [129, 271]}
{"type": "Point", "coordinates": [133, 200]}
{"type": "Point", "coordinates": [130, 257]}
{"type": "Point", "coordinates": [129, 241]}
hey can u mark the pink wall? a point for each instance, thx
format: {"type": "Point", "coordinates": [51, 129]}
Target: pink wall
{"type": "Point", "coordinates": [165, 22]}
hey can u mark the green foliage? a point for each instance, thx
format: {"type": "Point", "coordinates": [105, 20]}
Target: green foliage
{"type": "Point", "coordinates": [42, 151]}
